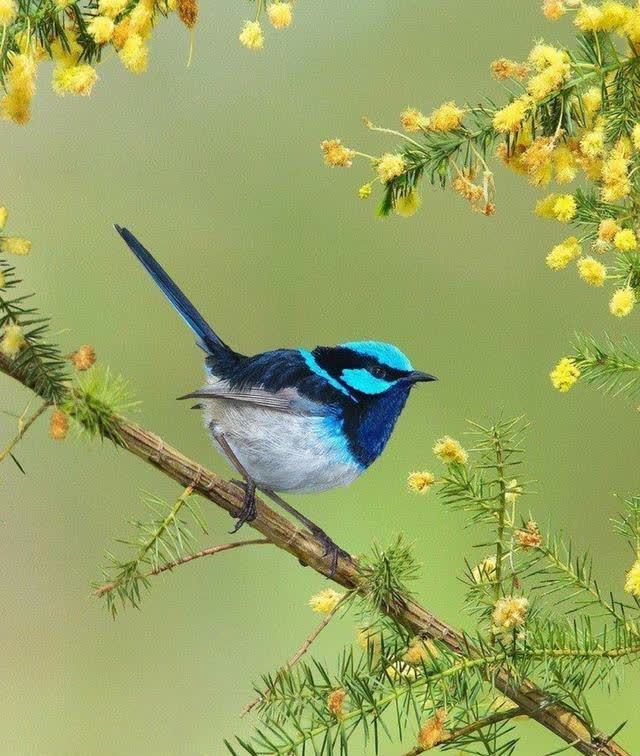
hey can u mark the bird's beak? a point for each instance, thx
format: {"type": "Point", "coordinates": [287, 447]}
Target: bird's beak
{"type": "Point", "coordinates": [416, 376]}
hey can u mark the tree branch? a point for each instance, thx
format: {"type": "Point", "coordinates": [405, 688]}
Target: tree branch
{"type": "Point", "coordinates": [102, 589]}
{"type": "Point", "coordinates": [533, 701]}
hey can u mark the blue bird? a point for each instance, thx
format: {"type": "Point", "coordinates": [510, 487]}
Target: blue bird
{"type": "Point", "coordinates": [291, 419]}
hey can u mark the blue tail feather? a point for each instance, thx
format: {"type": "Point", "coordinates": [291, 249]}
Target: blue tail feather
{"type": "Point", "coordinates": [207, 338]}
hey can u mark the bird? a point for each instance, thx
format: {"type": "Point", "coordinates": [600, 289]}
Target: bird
{"type": "Point", "coordinates": [293, 420]}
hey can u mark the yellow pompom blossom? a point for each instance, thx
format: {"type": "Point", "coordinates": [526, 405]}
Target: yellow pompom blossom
{"type": "Point", "coordinates": [12, 341]}
{"type": "Point", "coordinates": [484, 571]}
{"type": "Point", "coordinates": [635, 136]}
{"type": "Point", "coordinates": [536, 160]}
{"type": "Point", "coordinates": [364, 192]}
{"type": "Point", "coordinates": [503, 68]}
{"type": "Point", "coordinates": [66, 55]}
{"type": "Point", "coordinates": [420, 482]}
{"type": "Point", "coordinates": [608, 229]}
{"type": "Point", "coordinates": [413, 120]}
{"type": "Point", "coordinates": [15, 105]}
{"type": "Point", "coordinates": [562, 254]}
{"type": "Point", "coordinates": [325, 601]}
{"type": "Point", "coordinates": [625, 240]}
{"type": "Point", "coordinates": [614, 15]}
{"type": "Point", "coordinates": [251, 36]}
{"type": "Point", "coordinates": [369, 640]}
{"type": "Point", "coordinates": [408, 204]}
{"type": "Point", "coordinates": [615, 178]}
{"type": "Point", "coordinates": [134, 54]}
{"type": "Point", "coordinates": [280, 14]}
{"type": "Point", "coordinates": [589, 18]}
{"type": "Point", "coordinates": [509, 613]}
{"type": "Point", "coordinates": [622, 302]}
{"type": "Point", "coordinates": [8, 12]}
{"type": "Point", "coordinates": [513, 491]}
{"type": "Point", "coordinates": [632, 26]}
{"type": "Point", "coordinates": [15, 245]}
{"type": "Point", "coordinates": [564, 208]}
{"type": "Point", "coordinates": [4, 214]}
{"type": "Point", "coordinates": [592, 100]}
{"type": "Point", "coordinates": [420, 650]}
{"type": "Point", "coordinates": [553, 68]}
{"type": "Point", "coordinates": [553, 9]}
{"type": "Point", "coordinates": [544, 207]}
{"type": "Point", "coordinates": [336, 154]}
{"type": "Point", "coordinates": [510, 118]}
{"type": "Point", "coordinates": [591, 271]}
{"type": "Point", "coordinates": [449, 450]}
{"type": "Point", "coordinates": [446, 118]}
{"type": "Point", "coordinates": [564, 164]}
{"type": "Point", "coordinates": [111, 8]}
{"type": "Point", "coordinates": [542, 56]}
{"type": "Point", "coordinates": [564, 375]}
{"type": "Point", "coordinates": [101, 29]}
{"type": "Point", "coordinates": [592, 143]}
{"type": "Point", "coordinates": [78, 80]}
{"type": "Point", "coordinates": [433, 730]}
{"type": "Point", "coordinates": [632, 581]}
{"type": "Point", "coordinates": [390, 166]}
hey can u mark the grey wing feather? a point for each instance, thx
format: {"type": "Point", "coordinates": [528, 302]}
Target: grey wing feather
{"type": "Point", "coordinates": [285, 400]}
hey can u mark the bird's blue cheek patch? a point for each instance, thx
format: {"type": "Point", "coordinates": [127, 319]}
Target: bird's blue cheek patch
{"type": "Point", "coordinates": [362, 380]}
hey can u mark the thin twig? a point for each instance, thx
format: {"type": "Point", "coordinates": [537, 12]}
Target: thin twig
{"type": "Point", "coordinates": [306, 548]}
{"type": "Point", "coordinates": [300, 652]}
{"type": "Point", "coordinates": [23, 427]}
{"type": "Point", "coordinates": [449, 737]}
{"type": "Point", "coordinates": [101, 590]}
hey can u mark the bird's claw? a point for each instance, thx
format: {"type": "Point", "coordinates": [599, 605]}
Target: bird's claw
{"type": "Point", "coordinates": [248, 513]}
{"type": "Point", "coordinates": [331, 550]}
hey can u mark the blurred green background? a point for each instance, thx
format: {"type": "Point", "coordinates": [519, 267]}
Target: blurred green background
{"type": "Point", "coordinates": [218, 169]}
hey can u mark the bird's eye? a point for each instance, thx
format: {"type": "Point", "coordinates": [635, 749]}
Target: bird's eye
{"type": "Point", "coordinates": [378, 372]}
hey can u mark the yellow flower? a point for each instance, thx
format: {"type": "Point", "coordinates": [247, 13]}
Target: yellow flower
{"type": "Point", "coordinates": [279, 14]}
{"type": "Point", "coordinates": [420, 482]}
{"type": "Point", "coordinates": [553, 9]}
{"type": "Point", "coordinates": [484, 571]}
{"type": "Point", "coordinates": [407, 204]}
{"type": "Point", "coordinates": [608, 229]}
{"type": "Point", "coordinates": [513, 491]}
{"type": "Point", "coordinates": [134, 54]}
{"type": "Point", "coordinates": [420, 650]}
{"type": "Point", "coordinates": [433, 730]}
{"type": "Point", "coordinates": [8, 12]}
{"type": "Point", "coordinates": [58, 425]}
{"type": "Point", "coordinates": [15, 245]}
{"type": "Point", "coordinates": [20, 86]}
{"type": "Point", "coordinates": [369, 640]}
{"type": "Point", "coordinates": [589, 19]}
{"type": "Point", "coordinates": [111, 8]}
{"type": "Point", "coordinates": [614, 15]}
{"type": "Point", "coordinates": [449, 450]}
{"type": "Point", "coordinates": [13, 340]}
{"type": "Point", "coordinates": [4, 214]}
{"type": "Point", "coordinates": [544, 207]}
{"type": "Point", "coordinates": [615, 179]}
{"type": "Point", "coordinates": [635, 136]}
{"type": "Point", "coordinates": [503, 68]}
{"type": "Point", "coordinates": [413, 120]}
{"type": "Point", "coordinates": [509, 613]}
{"type": "Point", "coordinates": [562, 254]}
{"type": "Point", "coordinates": [592, 271]}
{"type": "Point", "coordinates": [446, 118]}
{"type": "Point", "coordinates": [625, 240]}
{"type": "Point", "coordinates": [251, 35]}
{"type": "Point", "coordinates": [547, 81]}
{"type": "Point", "coordinates": [141, 17]}
{"type": "Point", "coordinates": [69, 55]}
{"type": "Point", "coordinates": [510, 118]}
{"type": "Point", "coordinates": [335, 702]}
{"type": "Point", "coordinates": [592, 143]}
{"type": "Point", "coordinates": [565, 208]}
{"type": "Point", "coordinates": [78, 80]}
{"type": "Point", "coordinates": [536, 160]}
{"type": "Point", "coordinates": [542, 56]}
{"type": "Point", "coordinates": [101, 29]}
{"type": "Point", "coordinates": [632, 582]}
{"type": "Point", "coordinates": [564, 375]}
{"type": "Point", "coordinates": [592, 99]}
{"type": "Point", "coordinates": [632, 25]}
{"type": "Point", "coordinates": [325, 601]}
{"type": "Point", "coordinates": [336, 154]}
{"type": "Point", "coordinates": [365, 191]}
{"type": "Point", "coordinates": [390, 166]}
{"type": "Point", "coordinates": [622, 302]}
{"type": "Point", "coordinates": [529, 537]}
{"type": "Point", "coordinates": [564, 164]}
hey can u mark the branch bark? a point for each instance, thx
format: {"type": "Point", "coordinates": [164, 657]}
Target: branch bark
{"type": "Point", "coordinates": [533, 701]}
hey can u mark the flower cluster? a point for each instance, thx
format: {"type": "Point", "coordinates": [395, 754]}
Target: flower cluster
{"type": "Point", "coordinates": [279, 14]}
{"type": "Point", "coordinates": [12, 337]}
{"type": "Point", "coordinates": [572, 115]}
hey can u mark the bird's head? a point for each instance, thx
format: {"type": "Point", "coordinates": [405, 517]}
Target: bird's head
{"type": "Point", "coordinates": [368, 369]}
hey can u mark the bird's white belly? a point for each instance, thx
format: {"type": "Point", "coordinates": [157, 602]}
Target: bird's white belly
{"type": "Point", "coordinates": [283, 451]}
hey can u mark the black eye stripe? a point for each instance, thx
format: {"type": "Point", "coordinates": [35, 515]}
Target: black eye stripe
{"type": "Point", "coordinates": [336, 359]}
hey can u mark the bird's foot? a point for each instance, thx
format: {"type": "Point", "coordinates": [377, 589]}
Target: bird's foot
{"type": "Point", "coordinates": [331, 550]}
{"type": "Point", "coordinates": [248, 512]}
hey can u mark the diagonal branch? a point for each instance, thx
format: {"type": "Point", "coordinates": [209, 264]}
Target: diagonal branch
{"type": "Point", "coordinates": [534, 702]}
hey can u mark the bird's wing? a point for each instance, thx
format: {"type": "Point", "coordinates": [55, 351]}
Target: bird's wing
{"type": "Point", "coordinates": [284, 400]}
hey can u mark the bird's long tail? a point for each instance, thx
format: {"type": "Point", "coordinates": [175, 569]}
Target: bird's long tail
{"type": "Point", "coordinates": [206, 337]}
